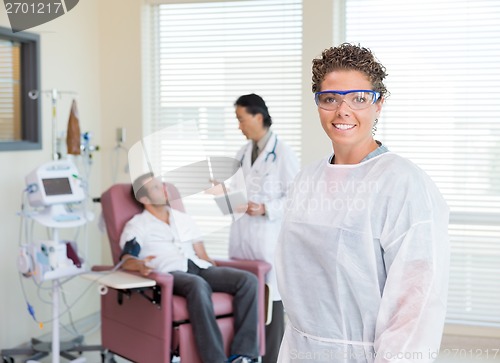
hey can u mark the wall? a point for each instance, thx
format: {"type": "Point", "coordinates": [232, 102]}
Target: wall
{"type": "Point", "coordinates": [121, 77]}
{"type": "Point", "coordinates": [121, 88]}
{"type": "Point", "coordinates": [317, 36]}
{"type": "Point", "coordinates": [69, 62]}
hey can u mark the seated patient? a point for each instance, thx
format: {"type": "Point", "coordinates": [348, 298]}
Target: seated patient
{"type": "Point", "coordinates": [162, 239]}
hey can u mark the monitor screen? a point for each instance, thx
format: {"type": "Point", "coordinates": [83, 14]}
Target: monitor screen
{"type": "Point", "coordinates": [57, 186]}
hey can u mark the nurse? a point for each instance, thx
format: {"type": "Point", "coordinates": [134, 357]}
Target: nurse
{"type": "Point", "coordinates": [269, 166]}
{"type": "Point", "coordinates": [363, 255]}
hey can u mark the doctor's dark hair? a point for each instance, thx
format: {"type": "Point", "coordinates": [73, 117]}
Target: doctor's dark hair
{"type": "Point", "coordinates": [349, 57]}
{"type": "Point", "coordinates": [254, 104]}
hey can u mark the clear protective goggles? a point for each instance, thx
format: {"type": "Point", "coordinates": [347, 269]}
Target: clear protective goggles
{"type": "Point", "coordinates": [356, 99]}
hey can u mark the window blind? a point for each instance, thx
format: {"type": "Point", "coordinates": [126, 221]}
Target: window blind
{"type": "Point", "coordinates": [203, 56]}
{"type": "Point", "coordinates": [10, 107]}
{"type": "Point", "coordinates": [443, 113]}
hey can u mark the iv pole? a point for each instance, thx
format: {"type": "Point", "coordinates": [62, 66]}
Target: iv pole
{"type": "Point", "coordinates": [39, 347]}
{"type": "Point", "coordinates": [54, 95]}
{"type": "Point", "coordinates": [56, 348]}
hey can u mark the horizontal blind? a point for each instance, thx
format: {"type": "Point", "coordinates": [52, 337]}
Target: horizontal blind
{"type": "Point", "coordinates": [204, 55]}
{"type": "Point", "coordinates": [10, 106]}
{"type": "Point", "coordinates": [443, 113]}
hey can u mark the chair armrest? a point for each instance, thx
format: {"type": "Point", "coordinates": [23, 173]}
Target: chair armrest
{"type": "Point", "coordinates": [98, 268]}
{"type": "Point", "coordinates": [165, 281]}
{"type": "Point", "coordinates": [257, 267]}
{"type": "Point", "coordinates": [260, 269]}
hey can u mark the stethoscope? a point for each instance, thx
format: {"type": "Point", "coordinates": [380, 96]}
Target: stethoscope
{"type": "Point", "coordinates": [270, 153]}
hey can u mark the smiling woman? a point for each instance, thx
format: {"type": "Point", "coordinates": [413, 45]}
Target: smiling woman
{"type": "Point", "coordinates": [348, 115]}
{"type": "Point", "coordinates": [365, 234]}
{"type": "Point", "coordinates": [20, 127]}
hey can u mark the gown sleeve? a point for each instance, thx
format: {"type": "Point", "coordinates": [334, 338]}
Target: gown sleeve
{"type": "Point", "coordinates": [416, 256]}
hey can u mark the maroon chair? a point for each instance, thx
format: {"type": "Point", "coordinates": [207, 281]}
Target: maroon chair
{"type": "Point", "coordinates": [151, 325]}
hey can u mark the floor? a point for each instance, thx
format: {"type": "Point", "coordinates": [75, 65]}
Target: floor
{"type": "Point", "coordinates": [454, 349]}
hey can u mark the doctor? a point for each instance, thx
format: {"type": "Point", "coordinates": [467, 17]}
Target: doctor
{"type": "Point", "coordinates": [269, 166]}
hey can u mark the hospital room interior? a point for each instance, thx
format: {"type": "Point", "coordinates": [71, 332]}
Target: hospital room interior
{"type": "Point", "coordinates": [106, 90]}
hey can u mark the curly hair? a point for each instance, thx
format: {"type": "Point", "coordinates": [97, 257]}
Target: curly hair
{"type": "Point", "coordinates": [349, 57]}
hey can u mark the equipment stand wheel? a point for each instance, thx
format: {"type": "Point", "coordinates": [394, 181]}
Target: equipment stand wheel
{"type": "Point", "coordinates": [108, 357]}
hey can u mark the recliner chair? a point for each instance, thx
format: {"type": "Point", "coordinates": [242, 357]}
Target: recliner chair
{"type": "Point", "coordinates": [151, 325]}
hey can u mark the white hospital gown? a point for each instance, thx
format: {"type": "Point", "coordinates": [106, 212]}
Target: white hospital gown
{"type": "Point", "coordinates": [362, 263]}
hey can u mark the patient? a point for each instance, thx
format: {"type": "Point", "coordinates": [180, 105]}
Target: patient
{"type": "Point", "coordinates": [162, 239]}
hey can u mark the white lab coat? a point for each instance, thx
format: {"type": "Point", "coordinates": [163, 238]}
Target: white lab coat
{"type": "Point", "coordinates": [362, 263]}
{"type": "Point", "coordinates": [255, 237]}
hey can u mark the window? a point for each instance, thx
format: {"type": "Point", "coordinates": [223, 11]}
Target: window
{"type": "Point", "coordinates": [203, 56]}
{"type": "Point", "coordinates": [443, 113]}
{"type": "Point", "coordinates": [19, 74]}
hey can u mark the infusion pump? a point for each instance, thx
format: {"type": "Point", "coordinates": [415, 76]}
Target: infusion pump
{"type": "Point", "coordinates": [56, 192]}
{"type": "Point", "coordinates": [55, 182]}
{"type": "Point", "coordinates": [57, 187]}
{"type": "Point", "coordinates": [48, 260]}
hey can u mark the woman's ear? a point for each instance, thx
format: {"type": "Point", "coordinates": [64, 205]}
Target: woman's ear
{"type": "Point", "coordinates": [379, 104]}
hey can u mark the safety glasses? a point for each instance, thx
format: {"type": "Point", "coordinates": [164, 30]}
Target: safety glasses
{"type": "Point", "coordinates": [356, 99]}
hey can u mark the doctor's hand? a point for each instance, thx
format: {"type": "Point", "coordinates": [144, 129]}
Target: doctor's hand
{"type": "Point", "coordinates": [255, 209]}
{"type": "Point", "coordinates": [216, 188]}
{"type": "Point", "coordinates": [242, 208]}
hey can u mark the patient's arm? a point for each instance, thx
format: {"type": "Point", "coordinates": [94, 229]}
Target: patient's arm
{"type": "Point", "coordinates": [132, 263]}
{"type": "Point", "coordinates": [199, 249]}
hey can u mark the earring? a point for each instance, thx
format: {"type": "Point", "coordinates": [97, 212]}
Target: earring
{"type": "Point", "coordinates": [374, 128]}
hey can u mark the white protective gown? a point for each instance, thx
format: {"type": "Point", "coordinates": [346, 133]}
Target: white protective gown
{"type": "Point", "coordinates": [362, 263]}
{"type": "Point", "coordinates": [255, 237]}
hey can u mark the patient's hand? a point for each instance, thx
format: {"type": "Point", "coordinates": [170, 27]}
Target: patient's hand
{"type": "Point", "coordinates": [211, 261]}
{"type": "Point", "coordinates": [145, 268]}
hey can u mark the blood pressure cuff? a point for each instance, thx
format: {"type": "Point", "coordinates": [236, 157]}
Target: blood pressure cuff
{"type": "Point", "coordinates": [131, 247]}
